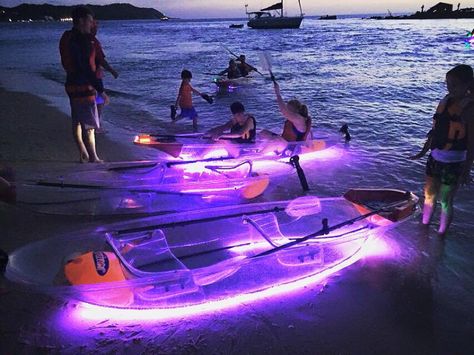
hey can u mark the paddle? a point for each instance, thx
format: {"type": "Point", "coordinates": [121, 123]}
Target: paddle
{"type": "Point", "coordinates": [178, 135]}
{"type": "Point", "coordinates": [236, 56]}
{"type": "Point", "coordinates": [326, 229]}
{"type": "Point", "coordinates": [103, 187]}
{"type": "Point", "coordinates": [266, 62]}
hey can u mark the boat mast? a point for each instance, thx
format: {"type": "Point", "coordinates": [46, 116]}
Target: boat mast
{"type": "Point", "coordinates": [301, 10]}
{"type": "Point", "coordinates": [281, 13]}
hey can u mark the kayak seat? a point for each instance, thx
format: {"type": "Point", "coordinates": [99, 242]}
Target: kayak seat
{"type": "Point", "coordinates": [267, 226]}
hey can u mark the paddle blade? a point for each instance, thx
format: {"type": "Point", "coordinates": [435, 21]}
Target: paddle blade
{"type": "Point", "coordinates": [255, 188]}
{"type": "Point", "coordinates": [266, 61]}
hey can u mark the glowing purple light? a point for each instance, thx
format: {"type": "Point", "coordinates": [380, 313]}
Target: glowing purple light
{"type": "Point", "coordinates": [85, 311]}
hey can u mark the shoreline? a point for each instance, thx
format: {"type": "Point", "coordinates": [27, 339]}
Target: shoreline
{"type": "Point", "coordinates": [35, 132]}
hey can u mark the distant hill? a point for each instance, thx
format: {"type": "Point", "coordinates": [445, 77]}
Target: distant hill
{"type": "Point", "coordinates": [25, 12]}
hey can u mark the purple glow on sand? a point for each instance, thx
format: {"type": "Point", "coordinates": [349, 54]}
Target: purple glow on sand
{"type": "Point", "coordinates": [84, 311]}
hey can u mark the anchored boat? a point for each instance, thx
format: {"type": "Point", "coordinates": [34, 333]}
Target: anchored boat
{"type": "Point", "coordinates": [272, 17]}
{"type": "Point", "coordinates": [206, 257]}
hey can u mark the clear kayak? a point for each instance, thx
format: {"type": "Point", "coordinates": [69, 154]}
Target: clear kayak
{"type": "Point", "coordinates": [142, 187]}
{"type": "Point", "coordinates": [218, 255]}
{"type": "Point", "coordinates": [195, 147]}
{"type": "Point", "coordinates": [229, 85]}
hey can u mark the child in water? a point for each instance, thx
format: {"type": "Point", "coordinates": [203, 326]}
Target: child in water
{"type": "Point", "coordinates": [185, 100]}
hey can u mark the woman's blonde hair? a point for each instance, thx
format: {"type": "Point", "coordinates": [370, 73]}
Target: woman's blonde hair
{"type": "Point", "coordinates": [300, 108]}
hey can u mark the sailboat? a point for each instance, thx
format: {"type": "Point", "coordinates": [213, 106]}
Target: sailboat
{"type": "Point", "coordinates": [272, 18]}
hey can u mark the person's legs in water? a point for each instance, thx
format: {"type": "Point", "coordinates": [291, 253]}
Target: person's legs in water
{"type": "Point", "coordinates": [77, 134]}
{"type": "Point", "coordinates": [93, 158]}
{"type": "Point", "coordinates": [447, 193]}
{"type": "Point", "coordinates": [432, 187]}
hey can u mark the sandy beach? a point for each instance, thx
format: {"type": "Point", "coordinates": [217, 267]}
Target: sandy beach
{"type": "Point", "coordinates": [389, 306]}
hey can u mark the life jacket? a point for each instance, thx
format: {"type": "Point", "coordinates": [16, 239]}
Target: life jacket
{"type": "Point", "coordinates": [252, 133]}
{"type": "Point", "coordinates": [78, 59]}
{"type": "Point", "coordinates": [291, 134]}
{"type": "Point", "coordinates": [449, 132]}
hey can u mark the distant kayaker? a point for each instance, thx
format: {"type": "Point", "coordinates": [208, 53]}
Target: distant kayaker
{"type": "Point", "coordinates": [243, 66]}
{"type": "Point", "coordinates": [297, 126]}
{"type": "Point", "coordinates": [242, 128]}
{"type": "Point", "coordinates": [451, 141]}
{"type": "Point", "coordinates": [185, 99]}
{"type": "Point", "coordinates": [232, 70]}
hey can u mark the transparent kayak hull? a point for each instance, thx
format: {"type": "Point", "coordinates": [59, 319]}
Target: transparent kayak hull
{"type": "Point", "coordinates": [197, 148]}
{"type": "Point", "coordinates": [144, 187]}
{"type": "Point", "coordinates": [201, 257]}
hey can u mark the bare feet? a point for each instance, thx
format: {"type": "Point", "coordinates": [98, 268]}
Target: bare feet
{"type": "Point", "coordinates": [96, 160]}
{"type": "Point", "coordinates": [83, 158]}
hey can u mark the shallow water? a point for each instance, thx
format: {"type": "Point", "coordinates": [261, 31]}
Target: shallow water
{"type": "Point", "coordinates": [383, 78]}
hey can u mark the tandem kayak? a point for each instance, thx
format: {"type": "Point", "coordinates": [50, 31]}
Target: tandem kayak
{"type": "Point", "coordinates": [217, 256]}
{"type": "Point", "coordinates": [142, 187]}
{"type": "Point", "coordinates": [196, 147]}
{"type": "Point", "coordinates": [223, 83]}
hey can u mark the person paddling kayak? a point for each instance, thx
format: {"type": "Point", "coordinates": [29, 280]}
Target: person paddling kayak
{"type": "Point", "coordinates": [232, 70]}
{"type": "Point", "coordinates": [297, 126]}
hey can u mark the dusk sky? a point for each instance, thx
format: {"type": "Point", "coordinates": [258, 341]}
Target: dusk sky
{"type": "Point", "coordinates": [235, 8]}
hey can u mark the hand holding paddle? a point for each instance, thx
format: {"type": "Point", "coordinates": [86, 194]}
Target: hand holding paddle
{"type": "Point", "coordinates": [208, 98]}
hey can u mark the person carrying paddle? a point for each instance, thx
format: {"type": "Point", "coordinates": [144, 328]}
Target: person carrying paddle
{"type": "Point", "coordinates": [185, 100]}
{"type": "Point", "coordinates": [451, 142]}
{"type": "Point", "coordinates": [297, 126]}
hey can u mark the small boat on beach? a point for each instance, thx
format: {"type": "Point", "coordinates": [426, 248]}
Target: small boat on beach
{"type": "Point", "coordinates": [197, 147]}
{"type": "Point", "coordinates": [217, 256]}
{"type": "Point", "coordinates": [272, 17]}
{"type": "Point", "coordinates": [142, 188]}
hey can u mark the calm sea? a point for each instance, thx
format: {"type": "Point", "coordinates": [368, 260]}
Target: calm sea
{"type": "Point", "coordinates": [383, 78]}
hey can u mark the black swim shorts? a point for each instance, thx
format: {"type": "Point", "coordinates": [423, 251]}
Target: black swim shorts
{"type": "Point", "coordinates": [447, 173]}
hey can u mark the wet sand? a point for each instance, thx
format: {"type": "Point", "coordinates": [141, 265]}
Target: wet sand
{"type": "Point", "coordinates": [410, 301]}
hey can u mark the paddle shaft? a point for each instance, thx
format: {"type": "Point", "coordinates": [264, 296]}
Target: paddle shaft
{"type": "Point", "coordinates": [326, 229]}
{"type": "Point", "coordinates": [236, 56]}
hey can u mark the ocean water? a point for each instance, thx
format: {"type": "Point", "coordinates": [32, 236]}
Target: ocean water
{"type": "Point", "coordinates": [383, 78]}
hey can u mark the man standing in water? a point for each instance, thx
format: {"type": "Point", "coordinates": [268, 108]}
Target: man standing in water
{"type": "Point", "coordinates": [78, 59]}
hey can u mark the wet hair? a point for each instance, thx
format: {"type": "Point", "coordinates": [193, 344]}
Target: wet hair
{"type": "Point", "coordinates": [299, 107]}
{"type": "Point", "coordinates": [237, 107]}
{"type": "Point", "coordinates": [463, 73]}
{"type": "Point", "coordinates": [242, 57]}
{"type": "Point", "coordinates": [80, 12]}
{"type": "Point", "coordinates": [186, 74]}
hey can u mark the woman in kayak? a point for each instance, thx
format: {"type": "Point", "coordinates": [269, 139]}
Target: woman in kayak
{"type": "Point", "coordinates": [242, 129]}
{"type": "Point", "coordinates": [297, 126]}
{"type": "Point", "coordinates": [451, 141]}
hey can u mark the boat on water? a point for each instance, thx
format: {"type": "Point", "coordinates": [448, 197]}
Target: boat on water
{"type": "Point", "coordinates": [189, 147]}
{"type": "Point", "coordinates": [142, 187]}
{"type": "Point", "coordinates": [236, 25]}
{"type": "Point", "coordinates": [184, 260]}
{"type": "Point", "coordinates": [272, 17]}
{"type": "Point", "coordinates": [328, 17]}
